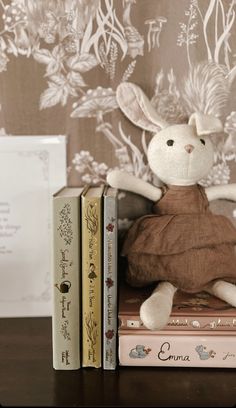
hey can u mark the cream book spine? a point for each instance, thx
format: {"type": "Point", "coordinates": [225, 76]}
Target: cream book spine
{"type": "Point", "coordinates": [66, 280]}
{"type": "Point", "coordinates": [110, 279]}
{"type": "Point", "coordinates": [92, 277]}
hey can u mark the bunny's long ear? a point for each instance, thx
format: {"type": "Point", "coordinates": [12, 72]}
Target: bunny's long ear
{"type": "Point", "coordinates": [137, 107]}
{"type": "Point", "coordinates": [205, 124]}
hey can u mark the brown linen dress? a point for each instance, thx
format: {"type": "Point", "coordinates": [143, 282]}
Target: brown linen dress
{"type": "Point", "coordinates": [182, 242]}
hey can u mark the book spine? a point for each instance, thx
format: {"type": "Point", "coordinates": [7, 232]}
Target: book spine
{"type": "Point", "coordinates": [177, 351]}
{"type": "Point", "coordinates": [66, 283]}
{"type": "Point", "coordinates": [110, 283]}
{"type": "Point", "coordinates": [195, 323]}
{"type": "Point", "coordinates": [91, 281]}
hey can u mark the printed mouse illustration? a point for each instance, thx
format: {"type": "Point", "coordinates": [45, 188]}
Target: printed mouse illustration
{"type": "Point", "coordinates": [139, 352]}
{"type": "Point", "coordinates": [182, 245]}
{"type": "Point", "coordinates": [203, 354]}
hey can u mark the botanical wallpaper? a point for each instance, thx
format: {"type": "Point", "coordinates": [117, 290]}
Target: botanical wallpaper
{"type": "Point", "coordinates": [61, 62]}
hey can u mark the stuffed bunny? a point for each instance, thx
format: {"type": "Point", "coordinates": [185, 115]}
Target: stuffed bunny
{"type": "Point", "coordinates": [182, 245]}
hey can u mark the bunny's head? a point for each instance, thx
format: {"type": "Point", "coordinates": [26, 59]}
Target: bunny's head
{"type": "Point", "coordinates": [177, 154]}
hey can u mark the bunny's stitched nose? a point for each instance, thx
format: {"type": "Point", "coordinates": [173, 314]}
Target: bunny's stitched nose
{"type": "Point", "coordinates": [189, 148]}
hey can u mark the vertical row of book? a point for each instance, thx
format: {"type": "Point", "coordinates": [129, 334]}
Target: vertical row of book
{"type": "Point", "coordinates": [84, 269]}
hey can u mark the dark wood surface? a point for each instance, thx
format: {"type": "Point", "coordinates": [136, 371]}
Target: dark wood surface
{"type": "Point", "coordinates": [28, 379]}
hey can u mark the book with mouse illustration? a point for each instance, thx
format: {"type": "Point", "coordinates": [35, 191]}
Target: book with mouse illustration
{"type": "Point", "coordinates": [194, 312]}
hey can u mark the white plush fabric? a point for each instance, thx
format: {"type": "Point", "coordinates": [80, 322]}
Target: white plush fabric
{"type": "Point", "coordinates": [205, 124]}
{"type": "Point", "coordinates": [136, 106]}
{"type": "Point", "coordinates": [161, 301]}
{"type": "Point", "coordinates": [223, 290]}
{"type": "Point", "coordinates": [124, 181]}
{"type": "Point", "coordinates": [227, 192]}
{"type": "Point", "coordinates": [173, 164]}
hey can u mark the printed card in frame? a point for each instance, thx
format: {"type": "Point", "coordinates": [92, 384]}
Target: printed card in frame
{"type": "Point", "coordinates": [32, 168]}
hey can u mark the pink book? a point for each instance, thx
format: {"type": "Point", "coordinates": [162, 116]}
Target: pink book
{"type": "Point", "coordinates": [193, 312]}
{"type": "Point", "coordinates": [177, 350]}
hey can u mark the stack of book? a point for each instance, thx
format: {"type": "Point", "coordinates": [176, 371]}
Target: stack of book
{"type": "Point", "coordinates": [84, 246]}
{"type": "Point", "coordinates": [200, 332]}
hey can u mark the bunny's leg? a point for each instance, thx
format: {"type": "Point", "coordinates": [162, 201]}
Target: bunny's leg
{"type": "Point", "coordinates": [223, 290]}
{"type": "Point", "coordinates": [155, 311]}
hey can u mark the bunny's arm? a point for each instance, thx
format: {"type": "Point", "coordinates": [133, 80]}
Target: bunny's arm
{"type": "Point", "coordinates": [124, 181]}
{"type": "Point", "coordinates": [227, 192]}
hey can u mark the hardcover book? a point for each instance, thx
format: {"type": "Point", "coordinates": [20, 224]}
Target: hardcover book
{"type": "Point", "coordinates": [200, 311]}
{"type": "Point", "coordinates": [92, 277]}
{"type": "Point", "coordinates": [183, 350]}
{"type": "Point", "coordinates": [110, 278]}
{"type": "Point", "coordinates": [66, 279]}
{"type": "Point", "coordinates": [32, 168]}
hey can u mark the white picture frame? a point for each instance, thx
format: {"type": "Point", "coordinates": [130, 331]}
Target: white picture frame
{"type": "Point", "coordinates": [32, 169]}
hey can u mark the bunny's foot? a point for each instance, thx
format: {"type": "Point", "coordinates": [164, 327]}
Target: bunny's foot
{"type": "Point", "coordinates": [224, 290]}
{"type": "Point", "coordinates": [155, 311]}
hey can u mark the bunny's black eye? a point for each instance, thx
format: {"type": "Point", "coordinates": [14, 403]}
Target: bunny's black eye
{"type": "Point", "coordinates": [203, 141]}
{"type": "Point", "coordinates": [170, 142]}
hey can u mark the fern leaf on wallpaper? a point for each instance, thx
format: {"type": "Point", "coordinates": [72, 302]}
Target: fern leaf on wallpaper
{"type": "Point", "coordinates": [206, 88]}
{"type": "Point", "coordinates": [129, 71]}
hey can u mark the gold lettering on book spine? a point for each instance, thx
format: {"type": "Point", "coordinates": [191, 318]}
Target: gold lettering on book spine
{"type": "Point", "coordinates": [92, 284]}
